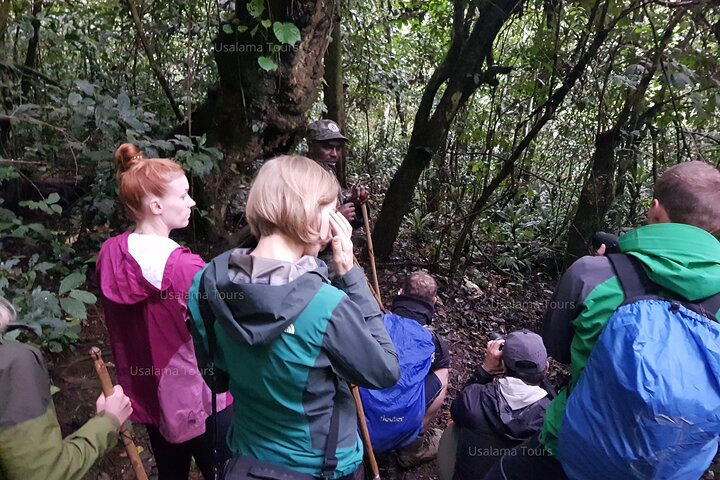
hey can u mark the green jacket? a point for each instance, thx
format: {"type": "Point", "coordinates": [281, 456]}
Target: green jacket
{"type": "Point", "coordinates": [682, 259]}
{"type": "Point", "coordinates": [289, 341]}
{"type": "Point", "coordinates": [31, 444]}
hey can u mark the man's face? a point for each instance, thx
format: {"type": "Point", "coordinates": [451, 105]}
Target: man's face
{"type": "Point", "coordinates": [327, 152]}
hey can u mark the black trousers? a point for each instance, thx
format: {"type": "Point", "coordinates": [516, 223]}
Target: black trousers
{"type": "Point", "coordinates": [527, 460]}
{"type": "Point", "coordinates": [173, 459]}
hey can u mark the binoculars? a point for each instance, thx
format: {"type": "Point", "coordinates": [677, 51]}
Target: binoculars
{"type": "Point", "coordinates": [612, 242]}
{"type": "Point", "coordinates": [496, 336]}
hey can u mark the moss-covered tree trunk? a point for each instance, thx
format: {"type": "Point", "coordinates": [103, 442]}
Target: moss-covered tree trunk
{"type": "Point", "coordinates": [334, 93]}
{"type": "Point", "coordinates": [253, 114]}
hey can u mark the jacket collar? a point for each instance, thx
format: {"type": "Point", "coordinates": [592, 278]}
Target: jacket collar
{"type": "Point", "coordinates": [414, 308]}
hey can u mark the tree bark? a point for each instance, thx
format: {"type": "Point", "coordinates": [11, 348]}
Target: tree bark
{"type": "Point", "coordinates": [333, 92]}
{"type": "Point", "coordinates": [252, 114]}
{"type": "Point", "coordinates": [31, 54]}
{"type": "Point", "coordinates": [4, 19]}
{"type": "Point", "coordinates": [461, 72]}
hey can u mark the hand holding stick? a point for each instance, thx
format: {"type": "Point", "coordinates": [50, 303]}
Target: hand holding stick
{"type": "Point", "coordinates": [107, 388]}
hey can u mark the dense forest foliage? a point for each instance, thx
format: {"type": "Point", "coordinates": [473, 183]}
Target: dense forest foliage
{"type": "Point", "coordinates": [498, 133]}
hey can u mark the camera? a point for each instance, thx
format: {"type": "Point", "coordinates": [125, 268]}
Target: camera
{"type": "Point", "coordinates": [612, 242]}
{"type": "Point", "coordinates": [496, 336]}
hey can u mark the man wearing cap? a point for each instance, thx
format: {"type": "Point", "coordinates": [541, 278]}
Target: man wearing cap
{"type": "Point", "coordinates": [325, 146]}
{"type": "Point", "coordinates": [493, 417]}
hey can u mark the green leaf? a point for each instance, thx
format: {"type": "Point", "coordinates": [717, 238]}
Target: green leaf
{"type": "Point", "coordinates": [266, 23]}
{"type": "Point", "coordinates": [71, 282]}
{"type": "Point", "coordinates": [73, 307]}
{"type": "Point", "coordinates": [85, 87]}
{"type": "Point", "coordinates": [242, 28]}
{"type": "Point", "coordinates": [267, 64]}
{"type": "Point", "coordinates": [74, 99]}
{"type": "Point", "coordinates": [84, 296]}
{"type": "Point", "coordinates": [53, 388]}
{"type": "Point", "coordinates": [55, 347]}
{"type": "Point", "coordinates": [38, 227]}
{"type": "Point", "coordinates": [43, 267]}
{"type": "Point", "coordinates": [286, 32]}
{"type": "Point", "coordinates": [53, 198]}
{"type": "Point", "coordinates": [123, 102]}
{"type": "Point", "coordinates": [256, 7]}
{"type": "Point", "coordinates": [680, 80]}
{"type": "Point", "coordinates": [227, 28]}
{"type": "Point", "coordinates": [45, 301]}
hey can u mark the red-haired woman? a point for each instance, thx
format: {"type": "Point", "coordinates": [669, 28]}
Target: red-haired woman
{"type": "Point", "coordinates": [144, 278]}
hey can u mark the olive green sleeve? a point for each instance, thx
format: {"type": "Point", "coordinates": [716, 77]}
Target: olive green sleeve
{"type": "Point", "coordinates": [35, 448]}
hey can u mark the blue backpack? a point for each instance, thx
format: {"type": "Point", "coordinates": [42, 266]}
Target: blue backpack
{"type": "Point", "coordinates": [647, 405]}
{"type": "Point", "coordinates": [394, 415]}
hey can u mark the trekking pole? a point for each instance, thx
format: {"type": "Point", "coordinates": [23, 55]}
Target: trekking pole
{"type": "Point", "coordinates": [365, 434]}
{"type": "Point", "coordinates": [107, 388]}
{"type": "Point", "coordinates": [371, 254]}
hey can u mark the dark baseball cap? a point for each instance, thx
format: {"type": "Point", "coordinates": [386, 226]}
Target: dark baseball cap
{"type": "Point", "coordinates": [524, 353]}
{"type": "Point", "coordinates": [322, 130]}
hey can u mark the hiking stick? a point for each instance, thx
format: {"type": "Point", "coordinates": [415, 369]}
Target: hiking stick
{"type": "Point", "coordinates": [365, 434]}
{"type": "Point", "coordinates": [107, 388]}
{"type": "Point", "coordinates": [371, 254]}
{"type": "Point", "coordinates": [375, 294]}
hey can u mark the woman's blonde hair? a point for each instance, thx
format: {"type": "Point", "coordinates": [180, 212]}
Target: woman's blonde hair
{"type": "Point", "coordinates": [286, 197]}
{"type": "Point", "coordinates": [7, 314]}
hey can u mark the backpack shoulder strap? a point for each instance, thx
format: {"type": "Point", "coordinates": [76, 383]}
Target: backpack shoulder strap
{"type": "Point", "coordinates": [635, 283]}
{"type": "Point", "coordinates": [712, 304]}
{"type": "Point", "coordinates": [633, 279]}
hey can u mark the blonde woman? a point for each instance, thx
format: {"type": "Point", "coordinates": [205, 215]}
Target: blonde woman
{"type": "Point", "coordinates": [287, 339]}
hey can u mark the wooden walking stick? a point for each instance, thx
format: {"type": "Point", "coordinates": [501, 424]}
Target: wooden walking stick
{"type": "Point", "coordinates": [375, 288]}
{"type": "Point", "coordinates": [107, 388]}
{"type": "Point", "coordinates": [371, 254]}
{"type": "Point", "coordinates": [375, 294]}
{"type": "Point", "coordinates": [365, 434]}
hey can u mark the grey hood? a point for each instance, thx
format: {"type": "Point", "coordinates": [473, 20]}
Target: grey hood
{"type": "Point", "coordinates": [256, 299]}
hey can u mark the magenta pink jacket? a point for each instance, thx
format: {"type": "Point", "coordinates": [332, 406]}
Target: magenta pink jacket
{"type": "Point", "coordinates": [151, 343]}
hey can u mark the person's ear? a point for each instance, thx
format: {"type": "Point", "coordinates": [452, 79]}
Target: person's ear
{"type": "Point", "coordinates": [657, 213]}
{"type": "Point", "coordinates": [435, 299]}
{"type": "Point", "coordinates": [155, 206]}
{"type": "Point", "coordinates": [401, 291]}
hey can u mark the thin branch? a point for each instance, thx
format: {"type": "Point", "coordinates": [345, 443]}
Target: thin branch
{"type": "Point", "coordinates": [150, 52]}
{"type": "Point", "coordinates": [10, 161]}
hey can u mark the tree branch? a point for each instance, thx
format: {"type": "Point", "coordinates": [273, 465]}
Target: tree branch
{"type": "Point", "coordinates": [150, 52]}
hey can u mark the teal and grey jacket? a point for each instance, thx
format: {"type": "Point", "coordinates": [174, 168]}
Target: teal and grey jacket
{"type": "Point", "coordinates": [288, 342]}
{"type": "Point", "coordinates": [31, 444]}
